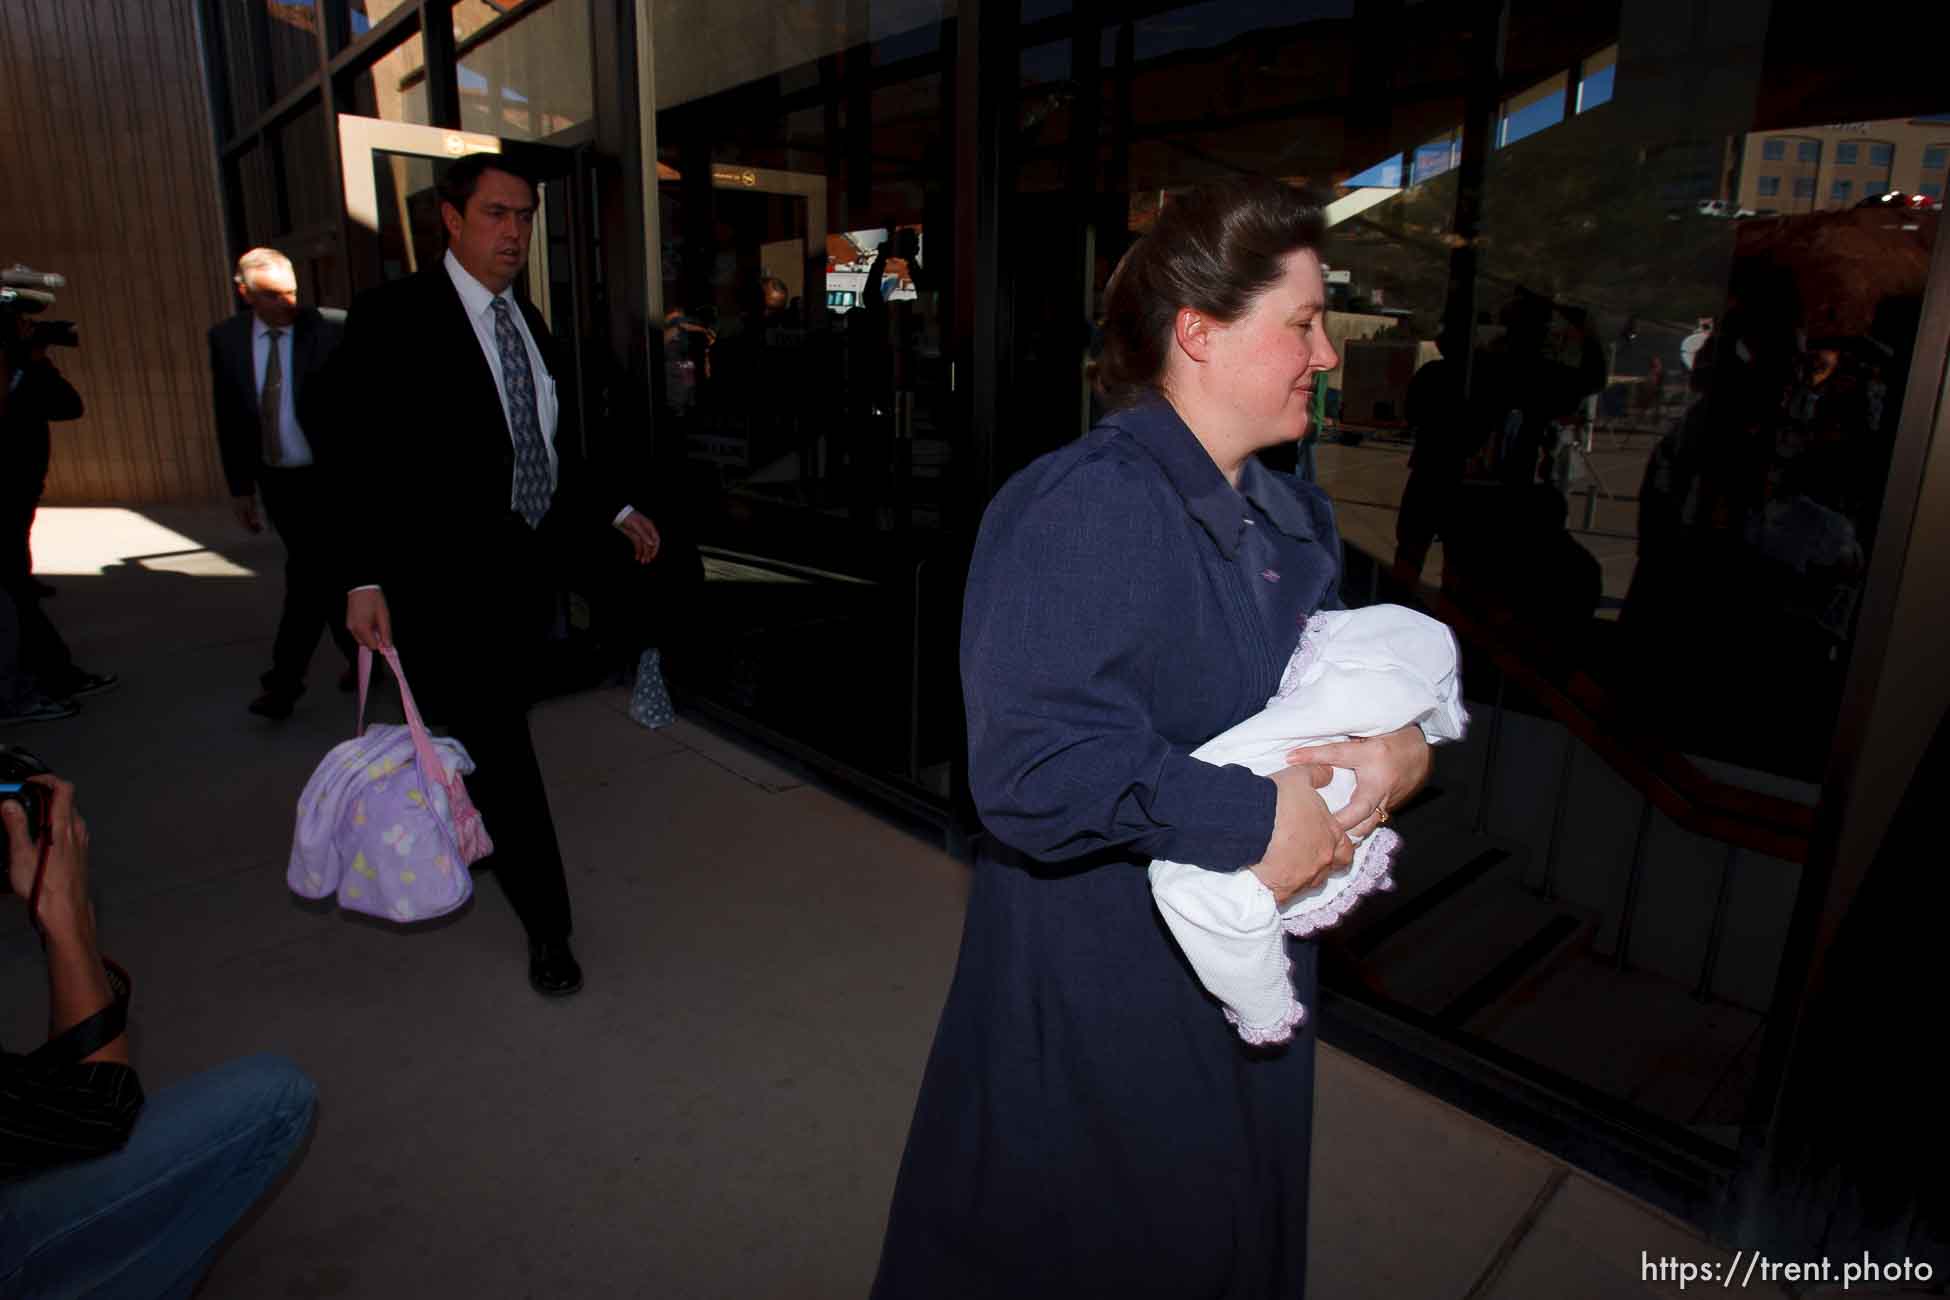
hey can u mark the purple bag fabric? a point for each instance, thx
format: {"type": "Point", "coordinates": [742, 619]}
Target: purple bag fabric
{"type": "Point", "coordinates": [385, 821]}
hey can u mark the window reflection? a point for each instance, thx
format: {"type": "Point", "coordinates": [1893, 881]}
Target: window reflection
{"type": "Point", "coordinates": [257, 182]}
{"type": "Point", "coordinates": [804, 379]}
{"type": "Point", "coordinates": [243, 86]}
{"type": "Point", "coordinates": [308, 180]}
{"type": "Point", "coordinates": [1617, 400]}
{"type": "Point", "coordinates": [525, 80]}
{"type": "Point", "coordinates": [365, 13]}
{"type": "Point", "coordinates": [394, 88]}
{"type": "Point", "coordinates": [293, 32]}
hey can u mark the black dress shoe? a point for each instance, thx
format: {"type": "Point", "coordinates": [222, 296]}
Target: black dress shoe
{"type": "Point", "coordinates": [79, 685]}
{"type": "Point", "coordinates": [552, 968]}
{"type": "Point", "coordinates": [274, 705]}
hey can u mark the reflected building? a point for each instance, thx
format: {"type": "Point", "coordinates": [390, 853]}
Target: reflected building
{"type": "Point", "coordinates": [1832, 167]}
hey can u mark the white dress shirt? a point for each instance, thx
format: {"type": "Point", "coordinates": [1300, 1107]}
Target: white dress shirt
{"type": "Point", "coordinates": [478, 299]}
{"type": "Point", "coordinates": [293, 451]}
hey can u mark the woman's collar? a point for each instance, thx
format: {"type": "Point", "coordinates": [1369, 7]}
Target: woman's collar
{"type": "Point", "coordinates": [1154, 424]}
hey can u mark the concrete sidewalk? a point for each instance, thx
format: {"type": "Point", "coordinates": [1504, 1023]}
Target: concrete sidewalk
{"type": "Point", "coordinates": [721, 1111]}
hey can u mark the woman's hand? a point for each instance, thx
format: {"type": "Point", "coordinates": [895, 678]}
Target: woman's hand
{"type": "Point", "coordinates": [1388, 770]}
{"type": "Point", "coordinates": [1307, 845]}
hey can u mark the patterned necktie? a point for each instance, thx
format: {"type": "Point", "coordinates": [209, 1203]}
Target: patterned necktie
{"type": "Point", "coordinates": [532, 488]}
{"type": "Point", "coordinates": [270, 404]}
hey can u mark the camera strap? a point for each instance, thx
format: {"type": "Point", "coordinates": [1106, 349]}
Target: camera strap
{"type": "Point", "coordinates": [83, 1039]}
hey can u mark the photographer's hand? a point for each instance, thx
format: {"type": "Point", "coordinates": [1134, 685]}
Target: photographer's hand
{"type": "Point", "coordinates": [77, 984]}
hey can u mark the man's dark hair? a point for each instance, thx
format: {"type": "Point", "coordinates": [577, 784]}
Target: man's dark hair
{"type": "Point", "coordinates": [464, 177]}
{"type": "Point", "coordinates": [1213, 249]}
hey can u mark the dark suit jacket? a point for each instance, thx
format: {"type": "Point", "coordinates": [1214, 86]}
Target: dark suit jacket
{"type": "Point", "coordinates": [418, 443]}
{"type": "Point", "coordinates": [40, 396]}
{"type": "Point", "coordinates": [315, 336]}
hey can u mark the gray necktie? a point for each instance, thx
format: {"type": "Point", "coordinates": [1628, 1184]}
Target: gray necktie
{"type": "Point", "coordinates": [270, 405]}
{"type": "Point", "coordinates": [532, 488]}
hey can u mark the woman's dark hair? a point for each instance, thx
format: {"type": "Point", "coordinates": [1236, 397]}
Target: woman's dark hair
{"type": "Point", "coordinates": [1214, 249]}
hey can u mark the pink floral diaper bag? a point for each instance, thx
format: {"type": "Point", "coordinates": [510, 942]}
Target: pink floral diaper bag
{"type": "Point", "coordinates": [385, 822]}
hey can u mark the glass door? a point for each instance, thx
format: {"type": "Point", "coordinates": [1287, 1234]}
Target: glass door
{"type": "Point", "coordinates": [805, 192]}
{"type": "Point", "coordinates": [391, 175]}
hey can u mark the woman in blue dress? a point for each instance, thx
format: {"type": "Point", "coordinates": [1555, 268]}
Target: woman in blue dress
{"type": "Point", "coordinates": [1088, 1124]}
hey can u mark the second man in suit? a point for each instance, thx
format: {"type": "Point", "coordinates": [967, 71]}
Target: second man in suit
{"type": "Point", "coordinates": [263, 362]}
{"type": "Point", "coordinates": [473, 507]}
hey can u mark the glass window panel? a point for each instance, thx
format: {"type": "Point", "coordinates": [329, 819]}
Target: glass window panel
{"type": "Point", "coordinates": [1598, 73]}
{"type": "Point", "coordinates": [240, 60]}
{"type": "Point", "coordinates": [1435, 158]}
{"type": "Point", "coordinates": [1045, 112]}
{"type": "Point", "coordinates": [1537, 109]}
{"type": "Point", "coordinates": [805, 159]}
{"type": "Point", "coordinates": [1386, 173]}
{"type": "Point", "coordinates": [528, 80]}
{"type": "Point", "coordinates": [310, 186]}
{"type": "Point", "coordinates": [1881, 155]}
{"type": "Point", "coordinates": [257, 182]}
{"type": "Point", "coordinates": [394, 88]}
{"type": "Point", "coordinates": [1583, 451]}
{"type": "Point", "coordinates": [1223, 22]}
{"type": "Point", "coordinates": [1046, 63]}
{"type": "Point", "coordinates": [1931, 189]}
{"type": "Point", "coordinates": [292, 26]}
{"type": "Point", "coordinates": [1667, 339]}
{"type": "Point", "coordinates": [1934, 158]}
{"type": "Point", "coordinates": [364, 13]}
{"type": "Point", "coordinates": [701, 50]}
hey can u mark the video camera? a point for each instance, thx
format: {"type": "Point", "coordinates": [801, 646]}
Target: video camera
{"type": "Point", "coordinates": [18, 767]}
{"type": "Point", "coordinates": [27, 292]}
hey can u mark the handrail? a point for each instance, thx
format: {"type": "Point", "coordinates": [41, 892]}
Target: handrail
{"type": "Point", "coordinates": [1765, 824]}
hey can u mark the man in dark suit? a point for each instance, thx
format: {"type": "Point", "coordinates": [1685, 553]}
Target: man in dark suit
{"type": "Point", "coordinates": [469, 503]}
{"type": "Point", "coordinates": [263, 363]}
{"type": "Point", "coordinates": [40, 396]}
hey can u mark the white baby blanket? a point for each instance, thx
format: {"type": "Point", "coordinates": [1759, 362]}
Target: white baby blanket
{"type": "Point", "coordinates": [1357, 673]}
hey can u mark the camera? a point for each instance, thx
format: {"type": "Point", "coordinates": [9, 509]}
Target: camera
{"type": "Point", "coordinates": [16, 767]}
{"type": "Point", "coordinates": [27, 292]}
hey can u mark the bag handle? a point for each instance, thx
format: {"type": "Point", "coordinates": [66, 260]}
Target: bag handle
{"type": "Point", "coordinates": [431, 768]}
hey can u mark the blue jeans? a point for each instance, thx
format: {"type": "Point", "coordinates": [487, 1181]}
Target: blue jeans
{"type": "Point", "coordinates": [145, 1221]}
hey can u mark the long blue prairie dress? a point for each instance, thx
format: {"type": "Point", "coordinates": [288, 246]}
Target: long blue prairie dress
{"type": "Point", "coordinates": [1089, 1124]}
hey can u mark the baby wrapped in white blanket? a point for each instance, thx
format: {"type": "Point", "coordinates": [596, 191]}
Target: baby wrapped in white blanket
{"type": "Point", "coordinates": [1357, 673]}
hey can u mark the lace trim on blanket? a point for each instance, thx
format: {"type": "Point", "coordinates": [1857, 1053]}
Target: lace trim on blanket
{"type": "Point", "coordinates": [1303, 659]}
{"type": "Point", "coordinates": [1371, 873]}
{"type": "Point", "coordinates": [1280, 1030]}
